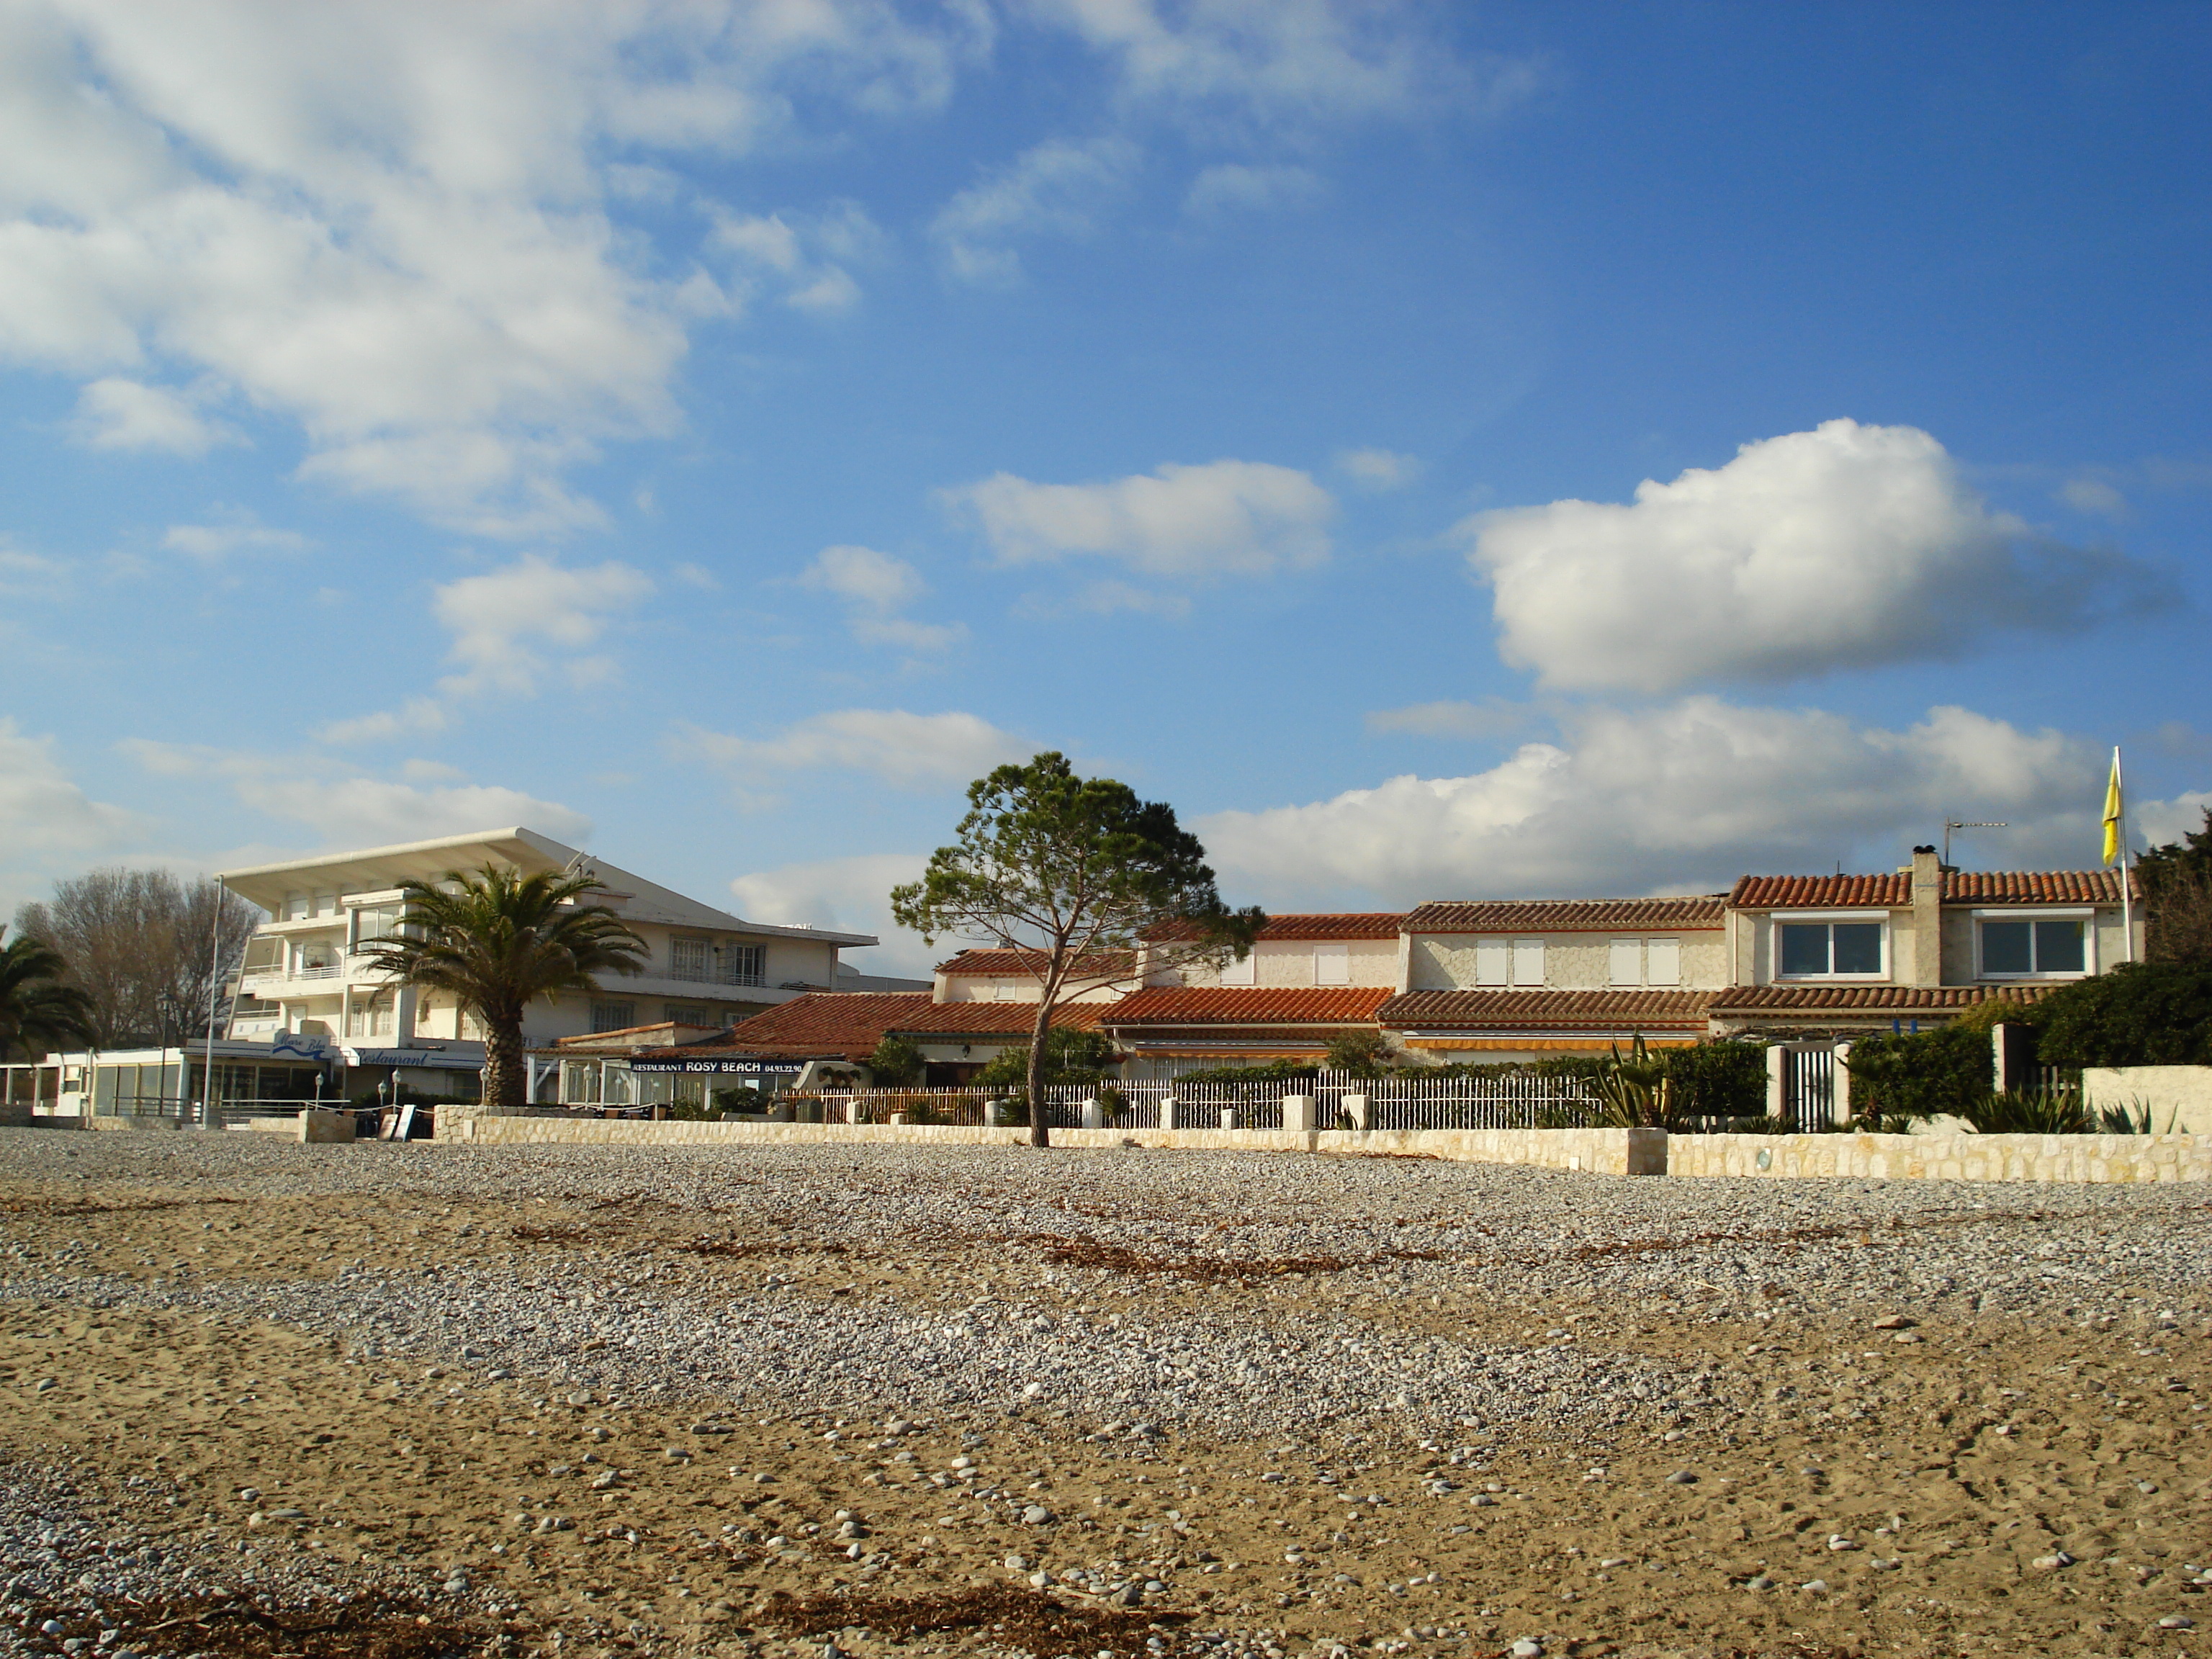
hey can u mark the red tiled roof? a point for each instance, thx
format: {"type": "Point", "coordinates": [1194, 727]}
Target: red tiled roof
{"type": "Point", "coordinates": [1533, 1010]}
{"type": "Point", "coordinates": [1240, 1005]}
{"type": "Point", "coordinates": [1320, 924]}
{"type": "Point", "coordinates": [1564, 915]}
{"type": "Point", "coordinates": [851, 1024]}
{"type": "Point", "coordinates": [1870, 999]}
{"type": "Point", "coordinates": [1894, 891]}
{"type": "Point", "coordinates": [1099, 965]}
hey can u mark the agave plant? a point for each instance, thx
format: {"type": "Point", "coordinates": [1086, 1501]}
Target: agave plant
{"type": "Point", "coordinates": [1633, 1091]}
{"type": "Point", "coordinates": [2031, 1112]}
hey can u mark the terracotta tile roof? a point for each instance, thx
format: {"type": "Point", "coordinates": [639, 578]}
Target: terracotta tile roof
{"type": "Point", "coordinates": [849, 1024]}
{"type": "Point", "coordinates": [1242, 1004]}
{"type": "Point", "coordinates": [1533, 1010]}
{"type": "Point", "coordinates": [1099, 966]}
{"type": "Point", "coordinates": [1320, 924]}
{"type": "Point", "coordinates": [1564, 915]}
{"type": "Point", "coordinates": [1894, 891]}
{"type": "Point", "coordinates": [1869, 999]}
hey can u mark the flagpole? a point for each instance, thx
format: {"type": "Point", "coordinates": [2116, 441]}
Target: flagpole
{"type": "Point", "coordinates": [2127, 894]}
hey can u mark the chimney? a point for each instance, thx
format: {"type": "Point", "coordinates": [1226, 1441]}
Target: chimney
{"type": "Point", "coordinates": [1927, 917]}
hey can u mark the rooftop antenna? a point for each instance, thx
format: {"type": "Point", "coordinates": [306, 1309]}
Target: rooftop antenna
{"type": "Point", "coordinates": [1949, 824]}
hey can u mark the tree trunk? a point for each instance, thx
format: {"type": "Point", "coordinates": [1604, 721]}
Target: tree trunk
{"type": "Point", "coordinates": [503, 1088]}
{"type": "Point", "coordinates": [1048, 992]}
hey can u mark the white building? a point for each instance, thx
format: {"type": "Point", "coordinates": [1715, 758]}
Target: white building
{"type": "Point", "coordinates": [308, 974]}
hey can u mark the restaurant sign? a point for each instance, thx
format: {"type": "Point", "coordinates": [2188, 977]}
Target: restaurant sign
{"type": "Point", "coordinates": [715, 1065]}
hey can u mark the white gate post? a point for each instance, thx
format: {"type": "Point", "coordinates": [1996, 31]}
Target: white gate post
{"type": "Point", "coordinates": [1298, 1114]}
{"type": "Point", "coordinates": [1777, 1058]}
{"type": "Point", "coordinates": [1841, 1092]}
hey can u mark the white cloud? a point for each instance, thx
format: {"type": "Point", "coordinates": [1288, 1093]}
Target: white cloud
{"type": "Point", "coordinates": [2088, 495]}
{"type": "Point", "coordinates": [1379, 469]}
{"type": "Point", "coordinates": [1288, 63]}
{"type": "Point", "coordinates": [1677, 798]}
{"type": "Point", "coordinates": [1228, 187]}
{"type": "Point", "coordinates": [1493, 717]}
{"type": "Point", "coordinates": [876, 586]}
{"type": "Point", "coordinates": [349, 809]}
{"type": "Point", "coordinates": [416, 717]}
{"type": "Point", "coordinates": [800, 254]}
{"type": "Point", "coordinates": [115, 413]}
{"type": "Point", "coordinates": [43, 810]}
{"type": "Point", "coordinates": [238, 530]}
{"type": "Point", "coordinates": [913, 752]}
{"type": "Point", "coordinates": [1057, 188]}
{"type": "Point", "coordinates": [847, 895]}
{"type": "Point", "coordinates": [24, 575]}
{"type": "Point", "coordinates": [880, 581]}
{"type": "Point", "coordinates": [497, 618]}
{"type": "Point", "coordinates": [398, 234]}
{"type": "Point", "coordinates": [1226, 518]}
{"type": "Point", "coordinates": [2161, 822]}
{"type": "Point", "coordinates": [1842, 547]}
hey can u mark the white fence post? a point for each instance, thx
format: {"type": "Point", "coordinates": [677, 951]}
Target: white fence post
{"type": "Point", "coordinates": [1231, 1118]}
{"type": "Point", "coordinates": [1298, 1114]}
{"type": "Point", "coordinates": [1840, 1112]}
{"type": "Point", "coordinates": [1362, 1114]}
{"type": "Point", "coordinates": [1094, 1115]}
{"type": "Point", "coordinates": [1170, 1112]}
{"type": "Point", "coordinates": [1777, 1058]}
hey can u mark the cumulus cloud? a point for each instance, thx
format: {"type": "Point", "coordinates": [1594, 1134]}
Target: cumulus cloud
{"type": "Point", "coordinates": [42, 808]}
{"type": "Point", "coordinates": [1677, 798]}
{"type": "Point", "coordinates": [848, 895]}
{"type": "Point", "coordinates": [499, 618]}
{"type": "Point", "coordinates": [2093, 495]}
{"type": "Point", "coordinates": [416, 717]}
{"type": "Point", "coordinates": [802, 256]}
{"type": "Point", "coordinates": [1057, 188]}
{"type": "Point", "coordinates": [913, 751]}
{"type": "Point", "coordinates": [1493, 717]}
{"type": "Point", "coordinates": [116, 413]}
{"type": "Point", "coordinates": [1232, 186]}
{"type": "Point", "coordinates": [348, 808]}
{"type": "Point", "coordinates": [403, 237]}
{"type": "Point", "coordinates": [1223, 519]}
{"type": "Point", "coordinates": [876, 588]}
{"type": "Point", "coordinates": [1842, 547]}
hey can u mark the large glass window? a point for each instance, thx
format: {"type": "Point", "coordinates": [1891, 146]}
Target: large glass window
{"type": "Point", "coordinates": [687, 958]}
{"type": "Point", "coordinates": [1814, 950]}
{"type": "Point", "coordinates": [742, 964]}
{"type": "Point", "coordinates": [2044, 945]}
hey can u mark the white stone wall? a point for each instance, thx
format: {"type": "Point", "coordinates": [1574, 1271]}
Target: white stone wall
{"type": "Point", "coordinates": [1946, 1158]}
{"type": "Point", "coordinates": [2180, 1096]}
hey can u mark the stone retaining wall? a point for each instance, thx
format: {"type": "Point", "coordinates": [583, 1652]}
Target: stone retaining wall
{"type": "Point", "coordinates": [1946, 1158]}
{"type": "Point", "coordinates": [1600, 1152]}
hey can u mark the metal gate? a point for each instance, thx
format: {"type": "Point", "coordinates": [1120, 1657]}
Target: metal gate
{"type": "Point", "coordinates": [1808, 1088]}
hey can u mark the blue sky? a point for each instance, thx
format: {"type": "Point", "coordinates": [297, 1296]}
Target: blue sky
{"type": "Point", "coordinates": [1446, 450]}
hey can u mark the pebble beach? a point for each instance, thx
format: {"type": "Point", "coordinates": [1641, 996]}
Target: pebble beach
{"type": "Point", "coordinates": [264, 1398]}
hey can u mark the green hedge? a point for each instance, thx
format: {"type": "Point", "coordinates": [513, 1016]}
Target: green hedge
{"type": "Point", "coordinates": [2152, 1013]}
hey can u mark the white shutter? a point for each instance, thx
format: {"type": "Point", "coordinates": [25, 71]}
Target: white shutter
{"type": "Point", "coordinates": [1527, 962]}
{"type": "Point", "coordinates": [1627, 962]}
{"type": "Point", "coordinates": [1239, 973]}
{"type": "Point", "coordinates": [1493, 961]}
{"type": "Point", "coordinates": [1332, 964]}
{"type": "Point", "coordinates": [1666, 962]}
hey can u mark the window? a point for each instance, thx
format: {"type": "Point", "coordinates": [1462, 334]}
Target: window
{"type": "Point", "coordinates": [613, 1016]}
{"type": "Point", "coordinates": [2031, 947]}
{"type": "Point", "coordinates": [1527, 962]}
{"type": "Point", "coordinates": [1627, 962]}
{"type": "Point", "coordinates": [682, 1015]}
{"type": "Point", "coordinates": [1493, 961]}
{"type": "Point", "coordinates": [1332, 964]}
{"type": "Point", "coordinates": [689, 958]}
{"type": "Point", "coordinates": [1662, 962]}
{"type": "Point", "coordinates": [1830, 950]}
{"type": "Point", "coordinates": [743, 965]}
{"type": "Point", "coordinates": [1239, 973]}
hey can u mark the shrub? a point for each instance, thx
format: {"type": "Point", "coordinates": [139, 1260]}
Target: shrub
{"type": "Point", "coordinates": [2152, 1013]}
{"type": "Point", "coordinates": [1724, 1077]}
{"type": "Point", "coordinates": [1359, 1054]}
{"type": "Point", "coordinates": [1947, 1070]}
{"type": "Point", "coordinates": [895, 1064]}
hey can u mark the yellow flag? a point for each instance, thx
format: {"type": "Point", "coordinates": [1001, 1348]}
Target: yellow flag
{"type": "Point", "coordinates": [2113, 810]}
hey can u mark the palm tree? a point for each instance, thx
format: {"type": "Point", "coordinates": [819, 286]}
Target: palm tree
{"type": "Point", "coordinates": [498, 939]}
{"type": "Point", "coordinates": [37, 1009]}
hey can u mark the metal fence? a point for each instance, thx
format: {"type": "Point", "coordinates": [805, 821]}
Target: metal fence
{"type": "Point", "coordinates": [1398, 1102]}
{"type": "Point", "coordinates": [1808, 1088]}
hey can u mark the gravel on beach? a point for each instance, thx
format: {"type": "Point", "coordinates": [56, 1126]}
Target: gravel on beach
{"type": "Point", "coordinates": [1230, 1400]}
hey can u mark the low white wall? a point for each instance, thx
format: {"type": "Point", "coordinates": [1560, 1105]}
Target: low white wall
{"type": "Point", "coordinates": [1946, 1158]}
{"type": "Point", "coordinates": [2180, 1096]}
{"type": "Point", "coordinates": [1599, 1151]}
